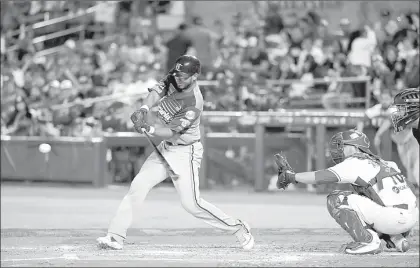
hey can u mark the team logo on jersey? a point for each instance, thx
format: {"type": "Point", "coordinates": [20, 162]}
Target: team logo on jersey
{"type": "Point", "coordinates": [396, 190]}
{"type": "Point", "coordinates": [184, 123]}
{"type": "Point", "coordinates": [190, 115]}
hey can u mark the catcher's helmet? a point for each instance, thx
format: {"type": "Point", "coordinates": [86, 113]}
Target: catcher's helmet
{"type": "Point", "coordinates": [350, 137]}
{"type": "Point", "coordinates": [407, 108]}
{"type": "Point", "coordinates": [186, 64]}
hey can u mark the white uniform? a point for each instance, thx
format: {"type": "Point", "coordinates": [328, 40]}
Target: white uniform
{"type": "Point", "coordinates": [385, 201]}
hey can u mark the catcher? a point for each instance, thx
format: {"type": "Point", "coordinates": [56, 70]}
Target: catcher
{"type": "Point", "coordinates": [382, 205]}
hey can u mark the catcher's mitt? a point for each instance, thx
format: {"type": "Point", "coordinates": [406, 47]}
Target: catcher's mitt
{"type": "Point", "coordinates": [286, 175]}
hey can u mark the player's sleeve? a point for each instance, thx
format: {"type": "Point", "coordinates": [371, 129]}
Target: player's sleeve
{"type": "Point", "coordinates": [393, 165]}
{"type": "Point", "coordinates": [351, 169]}
{"type": "Point", "coordinates": [184, 119]}
{"type": "Point", "coordinates": [161, 87]}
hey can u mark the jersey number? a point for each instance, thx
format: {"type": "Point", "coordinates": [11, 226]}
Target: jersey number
{"type": "Point", "coordinates": [398, 179]}
{"type": "Point", "coordinates": [399, 183]}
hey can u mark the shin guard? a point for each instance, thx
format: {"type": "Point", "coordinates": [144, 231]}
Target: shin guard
{"type": "Point", "coordinates": [346, 217]}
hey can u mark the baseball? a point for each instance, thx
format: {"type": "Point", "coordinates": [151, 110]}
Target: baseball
{"type": "Point", "coordinates": [44, 148]}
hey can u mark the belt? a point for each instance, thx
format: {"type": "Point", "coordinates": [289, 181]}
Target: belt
{"type": "Point", "coordinates": [180, 144]}
{"type": "Point", "coordinates": [403, 206]}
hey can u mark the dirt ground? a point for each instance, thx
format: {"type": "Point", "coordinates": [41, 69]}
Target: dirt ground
{"type": "Point", "coordinates": [46, 226]}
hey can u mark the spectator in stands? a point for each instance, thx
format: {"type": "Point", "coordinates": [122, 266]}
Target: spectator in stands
{"type": "Point", "coordinates": [255, 59]}
{"type": "Point", "coordinates": [204, 41]}
{"type": "Point", "coordinates": [21, 121]}
{"type": "Point", "coordinates": [344, 35]}
{"type": "Point", "coordinates": [385, 28]}
{"type": "Point", "coordinates": [382, 77]}
{"type": "Point", "coordinates": [178, 45]}
{"type": "Point", "coordinates": [273, 23]}
{"type": "Point", "coordinates": [411, 77]}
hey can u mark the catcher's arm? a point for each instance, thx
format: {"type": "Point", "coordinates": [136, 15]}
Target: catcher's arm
{"type": "Point", "coordinates": [286, 175]}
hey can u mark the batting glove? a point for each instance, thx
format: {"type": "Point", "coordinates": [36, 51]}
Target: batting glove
{"type": "Point", "coordinates": [143, 127]}
{"type": "Point", "coordinates": [140, 114]}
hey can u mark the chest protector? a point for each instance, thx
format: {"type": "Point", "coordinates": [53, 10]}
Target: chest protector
{"type": "Point", "coordinates": [366, 188]}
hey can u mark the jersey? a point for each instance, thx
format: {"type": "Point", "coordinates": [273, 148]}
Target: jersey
{"type": "Point", "coordinates": [180, 110]}
{"type": "Point", "coordinates": [381, 181]}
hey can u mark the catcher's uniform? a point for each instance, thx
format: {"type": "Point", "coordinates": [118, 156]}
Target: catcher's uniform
{"type": "Point", "coordinates": [180, 111]}
{"type": "Point", "coordinates": [384, 199]}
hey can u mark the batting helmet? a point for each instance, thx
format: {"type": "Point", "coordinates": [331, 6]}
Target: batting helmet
{"type": "Point", "coordinates": [186, 64]}
{"type": "Point", "coordinates": [407, 108]}
{"type": "Point", "coordinates": [350, 137]}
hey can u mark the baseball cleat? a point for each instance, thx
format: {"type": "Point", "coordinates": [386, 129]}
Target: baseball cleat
{"type": "Point", "coordinates": [399, 242]}
{"type": "Point", "coordinates": [362, 248]}
{"type": "Point", "coordinates": [108, 242]}
{"type": "Point", "coordinates": [245, 237]}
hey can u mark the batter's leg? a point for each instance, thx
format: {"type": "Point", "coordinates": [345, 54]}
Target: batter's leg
{"type": "Point", "coordinates": [151, 173]}
{"type": "Point", "coordinates": [186, 160]}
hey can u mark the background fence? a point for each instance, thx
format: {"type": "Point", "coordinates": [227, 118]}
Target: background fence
{"type": "Point", "coordinates": [84, 159]}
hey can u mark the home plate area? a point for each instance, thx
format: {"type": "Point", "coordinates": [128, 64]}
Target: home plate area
{"type": "Point", "coordinates": [192, 247]}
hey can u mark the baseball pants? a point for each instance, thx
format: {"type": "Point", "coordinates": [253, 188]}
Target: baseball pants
{"type": "Point", "coordinates": [185, 161]}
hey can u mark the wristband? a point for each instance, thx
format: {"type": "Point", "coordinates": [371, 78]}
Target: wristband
{"type": "Point", "coordinates": [291, 176]}
{"type": "Point", "coordinates": [145, 107]}
{"type": "Point", "coordinates": [151, 131]}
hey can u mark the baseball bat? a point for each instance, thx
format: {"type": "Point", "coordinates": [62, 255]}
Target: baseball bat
{"type": "Point", "coordinates": [171, 172]}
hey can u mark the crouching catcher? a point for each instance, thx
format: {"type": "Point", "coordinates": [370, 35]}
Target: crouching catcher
{"type": "Point", "coordinates": [382, 205]}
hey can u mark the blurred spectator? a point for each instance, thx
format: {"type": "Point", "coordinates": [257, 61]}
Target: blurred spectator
{"type": "Point", "coordinates": [385, 28]}
{"type": "Point", "coordinates": [381, 76]}
{"type": "Point", "coordinates": [245, 63]}
{"type": "Point", "coordinates": [344, 35]}
{"type": "Point", "coordinates": [273, 21]}
{"type": "Point", "coordinates": [204, 41]}
{"type": "Point", "coordinates": [362, 48]}
{"type": "Point", "coordinates": [178, 45]}
{"type": "Point", "coordinates": [255, 59]}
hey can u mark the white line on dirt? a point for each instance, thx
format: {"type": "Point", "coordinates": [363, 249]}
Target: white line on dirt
{"type": "Point", "coordinates": [281, 257]}
{"type": "Point", "coordinates": [65, 257]}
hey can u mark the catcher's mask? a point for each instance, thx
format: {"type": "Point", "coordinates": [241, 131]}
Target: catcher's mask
{"type": "Point", "coordinates": [406, 108]}
{"type": "Point", "coordinates": [185, 68]}
{"type": "Point", "coordinates": [351, 137]}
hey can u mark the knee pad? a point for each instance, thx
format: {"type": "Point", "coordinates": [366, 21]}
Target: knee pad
{"type": "Point", "coordinates": [336, 199]}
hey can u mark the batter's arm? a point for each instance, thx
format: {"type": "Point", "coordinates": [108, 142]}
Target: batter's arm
{"type": "Point", "coordinates": [163, 132]}
{"type": "Point", "coordinates": [157, 92]}
{"type": "Point", "coordinates": [151, 99]}
{"type": "Point", "coordinates": [179, 124]}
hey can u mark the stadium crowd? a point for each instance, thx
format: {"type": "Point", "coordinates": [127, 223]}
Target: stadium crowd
{"type": "Point", "coordinates": [247, 62]}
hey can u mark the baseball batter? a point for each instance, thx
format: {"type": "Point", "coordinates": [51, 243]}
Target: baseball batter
{"type": "Point", "coordinates": [178, 103]}
{"type": "Point", "coordinates": [382, 205]}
